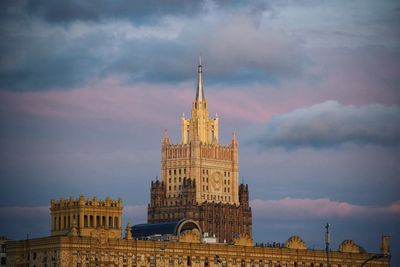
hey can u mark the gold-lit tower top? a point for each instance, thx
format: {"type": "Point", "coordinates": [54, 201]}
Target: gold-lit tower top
{"type": "Point", "coordinates": [200, 127]}
{"type": "Point", "coordinates": [200, 90]}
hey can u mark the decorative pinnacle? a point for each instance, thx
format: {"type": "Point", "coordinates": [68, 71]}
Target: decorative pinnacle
{"type": "Point", "coordinates": [165, 136]}
{"type": "Point", "coordinates": [200, 91]}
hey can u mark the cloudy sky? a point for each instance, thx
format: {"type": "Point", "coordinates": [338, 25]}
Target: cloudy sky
{"type": "Point", "coordinates": [310, 87]}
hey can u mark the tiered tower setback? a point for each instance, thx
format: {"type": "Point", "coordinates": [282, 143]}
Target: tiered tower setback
{"type": "Point", "coordinates": [200, 157]}
{"type": "Point", "coordinates": [200, 176]}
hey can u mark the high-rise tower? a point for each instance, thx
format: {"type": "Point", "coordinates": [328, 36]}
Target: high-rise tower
{"type": "Point", "coordinates": [200, 177]}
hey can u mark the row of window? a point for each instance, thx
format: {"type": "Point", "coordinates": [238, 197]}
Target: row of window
{"type": "Point", "coordinates": [216, 260]}
{"type": "Point", "coordinates": [216, 198]}
{"type": "Point", "coordinates": [65, 222]}
{"type": "Point", "coordinates": [205, 180]}
{"type": "Point", "coordinates": [183, 171]}
{"type": "Point", "coordinates": [172, 260]}
{"type": "Point", "coordinates": [179, 179]}
{"type": "Point", "coordinates": [175, 171]}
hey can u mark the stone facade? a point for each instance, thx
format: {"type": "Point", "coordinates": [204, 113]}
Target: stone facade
{"type": "Point", "coordinates": [200, 177]}
{"type": "Point", "coordinates": [83, 216]}
{"type": "Point", "coordinates": [103, 250]}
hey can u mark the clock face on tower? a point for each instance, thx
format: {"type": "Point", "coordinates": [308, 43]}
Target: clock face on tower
{"type": "Point", "coordinates": [216, 181]}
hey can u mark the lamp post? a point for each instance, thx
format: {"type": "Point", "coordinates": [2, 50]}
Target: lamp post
{"type": "Point", "coordinates": [327, 242]}
{"type": "Point", "coordinates": [376, 257]}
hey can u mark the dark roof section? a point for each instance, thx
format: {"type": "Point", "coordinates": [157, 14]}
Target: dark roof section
{"type": "Point", "coordinates": [165, 228]}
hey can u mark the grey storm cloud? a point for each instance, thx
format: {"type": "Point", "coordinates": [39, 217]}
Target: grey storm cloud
{"type": "Point", "coordinates": [96, 10]}
{"type": "Point", "coordinates": [330, 124]}
{"type": "Point", "coordinates": [58, 11]}
{"type": "Point", "coordinates": [38, 54]}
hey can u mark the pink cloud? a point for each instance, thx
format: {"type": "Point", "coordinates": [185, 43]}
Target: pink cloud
{"type": "Point", "coordinates": [317, 208]}
{"type": "Point", "coordinates": [105, 99]}
{"type": "Point", "coordinates": [111, 99]}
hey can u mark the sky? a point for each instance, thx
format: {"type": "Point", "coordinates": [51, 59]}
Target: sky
{"type": "Point", "coordinates": [311, 89]}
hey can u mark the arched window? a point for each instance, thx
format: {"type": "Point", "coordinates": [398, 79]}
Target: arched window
{"type": "Point", "coordinates": [91, 221]}
{"type": "Point", "coordinates": [110, 222]}
{"type": "Point", "coordinates": [116, 223]}
{"type": "Point", "coordinates": [85, 221]}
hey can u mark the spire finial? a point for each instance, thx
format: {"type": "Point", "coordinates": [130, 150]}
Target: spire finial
{"type": "Point", "coordinates": [200, 92]}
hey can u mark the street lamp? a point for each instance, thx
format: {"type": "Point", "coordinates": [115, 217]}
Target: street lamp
{"type": "Point", "coordinates": [327, 242]}
{"type": "Point", "coordinates": [376, 257]}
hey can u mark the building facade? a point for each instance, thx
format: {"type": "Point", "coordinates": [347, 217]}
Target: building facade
{"type": "Point", "coordinates": [103, 248]}
{"type": "Point", "coordinates": [200, 177]}
{"type": "Point", "coordinates": [83, 216]}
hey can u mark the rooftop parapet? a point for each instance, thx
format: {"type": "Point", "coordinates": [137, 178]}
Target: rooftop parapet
{"type": "Point", "coordinates": [82, 201]}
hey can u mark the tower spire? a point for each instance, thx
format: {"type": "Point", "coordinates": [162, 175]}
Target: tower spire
{"type": "Point", "coordinates": [200, 91]}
